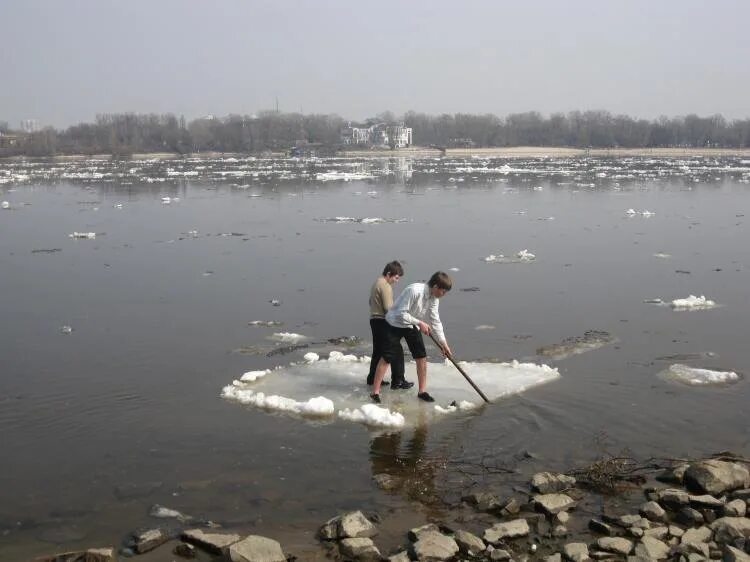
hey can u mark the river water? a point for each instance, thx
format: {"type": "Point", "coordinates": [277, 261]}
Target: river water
{"type": "Point", "coordinates": [114, 349]}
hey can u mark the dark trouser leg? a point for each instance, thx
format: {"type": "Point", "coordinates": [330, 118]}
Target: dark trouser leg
{"type": "Point", "coordinates": [378, 328]}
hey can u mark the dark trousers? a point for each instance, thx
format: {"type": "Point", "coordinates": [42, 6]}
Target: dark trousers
{"type": "Point", "coordinates": [379, 328]}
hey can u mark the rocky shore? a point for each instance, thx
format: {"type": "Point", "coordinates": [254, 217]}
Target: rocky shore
{"type": "Point", "coordinates": [689, 513]}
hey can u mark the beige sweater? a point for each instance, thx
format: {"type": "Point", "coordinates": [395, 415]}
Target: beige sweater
{"type": "Point", "coordinates": [381, 298]}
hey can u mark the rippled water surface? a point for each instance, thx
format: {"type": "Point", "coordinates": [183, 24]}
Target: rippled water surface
{"type": "Point", "coordinates": [124, 411]}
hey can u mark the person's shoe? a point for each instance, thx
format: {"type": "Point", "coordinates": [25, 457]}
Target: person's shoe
{"type": "Point", "coordinates": [401, 385]}
{"type": "Point", "coordinates": [425, 396]}
{"type": "Point", "coordinates": [375, 398]}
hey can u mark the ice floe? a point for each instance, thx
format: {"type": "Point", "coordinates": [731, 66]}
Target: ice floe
{"type": "Point", "coordinates": [523, 256]}
{"type": "Point", "coordinates": [5, 205]}
{"type": "Point", "coordinates": [83, 235]}
{"type": "Point", "coordinates": [694, 376]}
{"type": "Point", "coordinates": [337, 385]}
{"type": "Point", "coordinates": [288, 337]}
{"type": "Point", "coordinates": [692, 302]}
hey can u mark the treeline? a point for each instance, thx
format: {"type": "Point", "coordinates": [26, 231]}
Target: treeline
{"type": "Point", "coordinates": [125, 134]}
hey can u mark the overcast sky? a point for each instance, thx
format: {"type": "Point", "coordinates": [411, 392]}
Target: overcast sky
{"type": "Point", "coordinates": [64, 61]}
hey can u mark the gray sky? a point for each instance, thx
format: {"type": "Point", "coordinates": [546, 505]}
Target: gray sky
{"type": "Point", "coordinates": [64, 61]}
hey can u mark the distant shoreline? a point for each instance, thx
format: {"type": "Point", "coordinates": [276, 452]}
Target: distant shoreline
{"type": "Point", "coordinates": [417, 151]}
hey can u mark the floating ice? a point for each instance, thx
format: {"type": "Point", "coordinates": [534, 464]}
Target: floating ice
{"type": "Point", "coordinates": [5, 205]}
{"type": "Point", "coordinates": [161, 512]}
{"type": "Point", "coordinates": [525, 255]}
{"type": "Point", "coordinates": [317, 406]}
{"type": "Point", "coordinates": [252, 376]}
{"type": "Point", "coordinates": [311, 357]}
{"type": "Point", "coordinates": [699, 377]}
{"type": "Point", "coordinates": [66, 329]}
{"type": "Point", "coordinates": [288, 337]}
{"type": "Point", "coordinates": [340, 380]}
{"type": "Point", "coordinates": [484, 327]}
{"type": "Point", "coordinates": [370, 414]}
{"type": "Point", "coordinates": [662, 255]}
{"type": "Point", "coordinates": [692, 303]}
{"type": "Point", "coordinates": [265, 323]}
{"type": "Point", "coordinates": [89, 235]}
{"type": "Point", "coordinates": [454, 269]}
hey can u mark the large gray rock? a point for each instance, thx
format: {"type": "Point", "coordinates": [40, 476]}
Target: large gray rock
{"type": "Point", "coordinates": [576, 551]}
{"type": "Point", "coordinates": [507, 530]}
{"type": "Point", "coordinates": [661, 533]}
{"type": "Point", "coordinates": [653, 512]}
{"type": "Point", "coordinates": [674, 474]}
{"type": "Point", "coordinates": [735, 508]}
{"type": "Point", "coordinates": [550, 482]}
{"type": "Point", "coordinates": [732, 554]}
{"type": "Point", "coordinates": [701, 534]}
{"type": "Point", "coordinates": [651, 548]}
{"type": "Point", "coordinates": [743, 494]}
{"type": "Point", "coordinates": [213, 542]}
{"type": "Point", "coordinates": [629, 521]}
{"type": "Point", "coordinates": [468, 543]}
{"type": "Point", "coordinates": [600, 526]}
{"type": "Point", "coordinates": [255, 548]}
{"type": "Point", "coordinates": [416, 533]}
{"type": "Point", "coordinates": [672, 497]}
{"type": "Point", "coordinates": [149, 540]}
{"type": "Point", "coordinates": [705, 500]}
{"type": "Point", "coordinates": [728, 528]}
{"type": "Point", "coordinates": [615, 544]}
{"type": "Point", "coordinates": [402, 556]}
{"type": "Point", "coordinates": [359, 549]}
{"type": "Point", "coordinates": [353, 525]}
{"type": "Point", "coordinates": [716, 477]}
{"type": "Point", "coordinates": [556, 557]}
{"type": "Point", "coordinates": [484, 501]}
{"type": "Point", "coordinates": [554, 503]}
{"type": "Point", "coordinates": [434, 547]}
{"type": "Point", "coordinates": [499, 555]}
{"type": "Point", "coordinates": [90, 555]}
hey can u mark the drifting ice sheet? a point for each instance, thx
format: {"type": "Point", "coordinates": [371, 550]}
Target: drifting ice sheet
{"type": "Point", "coordinates": [337, 385]}
{"type": "Point", "coordinates": [699, 377]}
{"type": "Point", "coordinates": [692, 303]}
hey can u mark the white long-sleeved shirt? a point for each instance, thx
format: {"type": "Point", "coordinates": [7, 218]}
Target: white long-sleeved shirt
{"type": "Point", "coordinates": [416, 303]}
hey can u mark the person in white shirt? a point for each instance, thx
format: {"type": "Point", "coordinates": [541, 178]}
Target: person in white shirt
{"type": "Point", "coordinates": [414, 313]}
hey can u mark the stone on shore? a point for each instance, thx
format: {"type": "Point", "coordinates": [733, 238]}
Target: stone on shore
{"type": "Point", "coordinates": [468, 543]}
{"type": "Point", "coordinates": [550, 482]}
{"type": "Point", "coordinates": [213, 542]}
{"type": "Point", "coordinates": [732, 554]}
{"type": "Point", "coordinates": [484, 501]}
{"type": "Point", "coordinates": [414, 534]}
{"type": "Point", "coordinates": [255, 548]}
{"type": "Point", "coordinates": [716, 477]}
{"type": "Point", "coordinates": [727, 529]}
{"type": "Point", "coordinates": [386, 481]}
{"type": "Point", "coordinates": [149, 540]}
{"type": "Point", "coordinates": [651, 548]}
{"type": "Point", "coordinates": [434, 547]}
{"type": "Point", "coordinates": [673, 475]}
{"type": "Point", "coordinates": [402, 556]}
{"type": "Point", "coordinates": [507, 530]}
{"type": "Point", "coordinates": [499, 555]}
{"type": "Point", "coordinates": [735, 508]}
{"type": "Point", "coordinates": [672, 497]}
{"type": "Point", "coordinates": [90, 555]}
{"type": "Point", "coordinates": [556, 557]}
{"type": "Point", "coordinates": [705, 500]}
{"type": "Point", "coordinates": [360, 549]}
{"type": "Point", "coordinates": [576, 551]}
{"type": "Point", "coordinates": [615, 544]}
{"type": "Point", "coordinates": [554, 503]}
{"type": "Point", "coordinates": [353, 525]}
{"type": "Point", "coordinates": [653, 512]}
{"type": "Point", "coordinates": [599, 526]}
{"type": "Point", "coordinates": [701, 534]}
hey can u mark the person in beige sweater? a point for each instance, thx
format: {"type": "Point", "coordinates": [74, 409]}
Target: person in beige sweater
{"type": "Point", "coordinates": [381, 300]}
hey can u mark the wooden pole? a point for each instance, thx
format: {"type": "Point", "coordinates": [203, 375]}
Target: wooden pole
{"type": "Point", "coordinates": [460, 370]}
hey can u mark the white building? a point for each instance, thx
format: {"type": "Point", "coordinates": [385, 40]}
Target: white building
{"type": "Point", "coordinates": [379, 134]}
